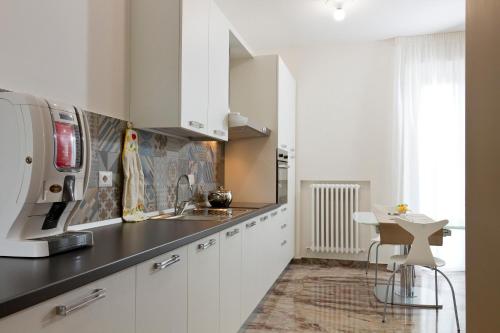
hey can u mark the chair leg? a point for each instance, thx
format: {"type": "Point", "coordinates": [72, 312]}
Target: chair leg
{"type": "Point", "coordinates": [436, 287]}
{"type": "Point", "coordinates": [387, 293]}
{"type": "Point", "coordinates": [376, 263]}
{"type": "Point", "coordinates": [368, 259]}
{"type": "Point", "coordinates": [454, 300]}
{"type": "Point", "coordinates": [414, 276]}
{"type": "Point", "coordinates": [393, 282]}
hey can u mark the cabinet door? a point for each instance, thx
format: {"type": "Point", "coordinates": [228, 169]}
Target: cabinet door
{"type": "Point", "coordinates": [286, 103]}
{"type": "Point", "coordinates": [194, 64]}
{"type": "Point", "coordinates": [251, 272]}
{"type": "Point", "coordinates": [292, 162]}
{"type": "Point", "coordinates": [273, 250]}
{"type": "Point", "coordinates": [287, 236]}
{"type": "Point", "coordinates": [109, 308]}
{"type": "Point", "coordinates": [218, 101]}
{"type": "Point", "coordinates": [230, 279]}
{"type": "Point", "coordinates": [290, 234]}
{"type": "Point", "coordinates": [203, 285]}
{"type": "Point", "coordinates": [161, 301]}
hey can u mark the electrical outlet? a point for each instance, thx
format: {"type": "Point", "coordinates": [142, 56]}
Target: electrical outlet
{"type": "Point", "coordinates": [105, 178]}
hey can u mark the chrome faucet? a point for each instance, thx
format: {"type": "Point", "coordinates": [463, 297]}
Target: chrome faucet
{"type": "Point", "coordinates": [179, 208]}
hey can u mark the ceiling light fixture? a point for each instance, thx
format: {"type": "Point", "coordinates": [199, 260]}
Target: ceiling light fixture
{"type": "Point", "coordinates": [337, 8]}
{"type": "Point", "coordinates": [339, 14]}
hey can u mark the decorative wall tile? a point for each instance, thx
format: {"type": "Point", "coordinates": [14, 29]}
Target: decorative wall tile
{"type": "Point", "coordinates": [163, 160]}
{"type": "Point", "coordinates": [93, 120]}
{"type": "Point", "coordinates": [109, 203]}
{"type": "Point", "coordinates": [162, 200]}
{"type": "Point", "coordinates": [146, 143]}
{"type": "Point", "coordinates": [149, 198]}
{"type": "Point", "coordinates": [111, 134]}
{"type": "Point", "coordinates": [89, 208]}
{"type": "Point", "coordinates": [172, 170]}
{"type": "Point", "coordinates": [182, 167]}
{"type": "Point", "coordinates": [160, 145]}
{"type": "Point", "coordinates": [176, 144]}
{"type": "Point", "coordinates": [147, 169]}
{"type": "Point", "coordinates": [170, 196]}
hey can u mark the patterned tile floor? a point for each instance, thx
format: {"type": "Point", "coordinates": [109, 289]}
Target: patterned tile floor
{"type": "Point", "coordinates": [318, 298]}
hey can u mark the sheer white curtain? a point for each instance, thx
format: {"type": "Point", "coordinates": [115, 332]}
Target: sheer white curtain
{"type": "Point", "coordinates": [430, 90]}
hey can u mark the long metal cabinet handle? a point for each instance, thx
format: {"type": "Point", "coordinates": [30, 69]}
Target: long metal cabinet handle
{"type": "Point", "coordinates": [158, 266]}
{"type": "Point", "coordinates": [251, 224]}
{"type": "Point", "coordinates": [274, 214]}
{"type": "Point", "coordinates": [97, 294]}
{"type": "Point", "coordinates": [233, 232]}
{"type": "Point", "coordinates": [283, 226]}
{"type": "Point", "coordinates": [263, 218]}
{"type": "Point", "coordinates": [206, 245]}
{"type": "Point", "coordinates": [196, 124]}
{"type": "Point", "coordinates": [283, 242]}
{"type": "Point", "coordinates": [220, 132]}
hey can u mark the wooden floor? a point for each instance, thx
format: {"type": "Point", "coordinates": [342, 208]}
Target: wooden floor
{"type": "Point", "coordinates": [319, 298]}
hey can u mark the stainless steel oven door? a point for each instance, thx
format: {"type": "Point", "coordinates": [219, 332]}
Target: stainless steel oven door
{"type": "Point", "coordinates": [282, 182]}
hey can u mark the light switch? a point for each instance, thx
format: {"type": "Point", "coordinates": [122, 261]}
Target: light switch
{"type": "Point", "coordinates": [105, 178]}
{"type": "Point", "coordinates": [191, 179]}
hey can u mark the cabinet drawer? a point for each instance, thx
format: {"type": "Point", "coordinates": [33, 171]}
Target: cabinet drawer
{"type": "Point", "coordinates": [161, 301]}
{"type": "Point", "coordinates": [106, 305]}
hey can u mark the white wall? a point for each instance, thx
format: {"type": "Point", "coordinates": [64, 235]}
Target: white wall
{"type": "Point", "coordinates": [72, 51]}
{"type": "Point", "coordinates": [345, 117]}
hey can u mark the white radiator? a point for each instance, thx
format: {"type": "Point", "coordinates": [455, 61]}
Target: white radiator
{"type": "Point", "coordinates": [332, 226]}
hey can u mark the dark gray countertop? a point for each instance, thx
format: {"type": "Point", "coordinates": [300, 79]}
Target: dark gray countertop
{"type": "Point", "coordinates": [26, 282]}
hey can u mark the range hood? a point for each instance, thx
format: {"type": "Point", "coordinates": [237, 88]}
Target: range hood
{"type": "Point", "coordinates": [248, 131]}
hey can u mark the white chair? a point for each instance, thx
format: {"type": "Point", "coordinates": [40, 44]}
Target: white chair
{"type": "Point", "coordinates": [420, 254]}
{"type": "Point", "coordinates": [367, 218]}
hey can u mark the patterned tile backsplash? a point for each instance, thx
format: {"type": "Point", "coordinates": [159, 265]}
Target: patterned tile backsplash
{"type": "Point", "coordinates": [163, 160]}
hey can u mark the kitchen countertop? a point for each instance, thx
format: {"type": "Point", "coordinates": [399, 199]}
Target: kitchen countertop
{"type": "Point", "coordinates": [25, 282]}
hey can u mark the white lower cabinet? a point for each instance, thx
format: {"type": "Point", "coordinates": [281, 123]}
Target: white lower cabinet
{"type": "Point", "coordinates": [106, 305]}
{"type": "Point", "coordinates": [230, 279]}
{"type": "Point", "coordinates": [272, 249]}
{"type": "Point", "coordinates": [203, 285]}
{"type": "Point", "coordinates": [286, 237]}
{"type": "Point", "coordinates": [161, 301]}
{"type": "Point", "coordinates": [251, 273]}
{"type": "Point", "coordinates": [209, 286]}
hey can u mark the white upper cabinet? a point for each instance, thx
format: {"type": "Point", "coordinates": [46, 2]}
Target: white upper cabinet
{"type": "Point", "coordinates": [286, 105]}
{"type": "Point", "coordinates": [179, 67]}
{"type": "Point", "coordinates": [218, 107]}
{"type": "Point", "coordinates": [194, 70]}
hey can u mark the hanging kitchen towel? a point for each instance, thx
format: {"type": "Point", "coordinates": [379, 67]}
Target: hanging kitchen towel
{"type": "Point", "coordinates": [133, 185]}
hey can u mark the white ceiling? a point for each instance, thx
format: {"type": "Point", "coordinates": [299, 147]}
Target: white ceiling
{"type": "Point", "coordinates": [271, 24]}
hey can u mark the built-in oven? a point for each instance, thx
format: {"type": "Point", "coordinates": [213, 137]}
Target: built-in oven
{"type": "Point", "coordinates": [282, 176]}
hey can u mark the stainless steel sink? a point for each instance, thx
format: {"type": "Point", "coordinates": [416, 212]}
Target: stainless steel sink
{"type": "Point", "coordinates": [205, 214]}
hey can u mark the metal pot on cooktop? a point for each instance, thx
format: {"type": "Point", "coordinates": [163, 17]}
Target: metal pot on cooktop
{"type": "Point", "coordinates": [220, 198]}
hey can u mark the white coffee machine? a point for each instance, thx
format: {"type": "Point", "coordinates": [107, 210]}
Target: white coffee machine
{"type": "Point", "coordinates": [44, 172]}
